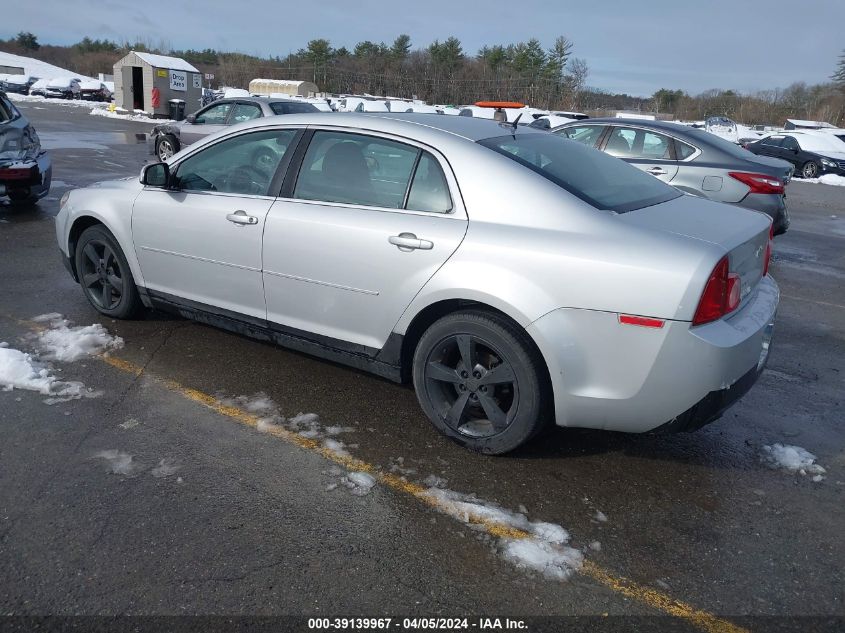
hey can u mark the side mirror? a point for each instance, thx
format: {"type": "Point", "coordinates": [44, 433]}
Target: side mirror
{"type": "Point", "coordinates": [156, 175]}
{"type": "Point", "coordinates": [191, 118]}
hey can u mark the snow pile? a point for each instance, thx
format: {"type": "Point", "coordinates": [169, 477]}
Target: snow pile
{"type": "Point", "coordinates": [794, 459]}
{"type": "Point", "coordinates": [37, 68]}
{"type": "Point", "coordinates": [125, 115]}
{"type": "Point", "coordinates": [74, 103]}
{"type": "Point", "coordinates": [64, 343]}
{"type": "Point", "coordinates": [545, 550]}
{"type": "Point", "coordinates": [827, 179]}
{"type": "Point", "coordinates": [18, 370]}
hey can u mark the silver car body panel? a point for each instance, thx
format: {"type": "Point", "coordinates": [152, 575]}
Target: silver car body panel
{"type": "Point", "coordinates": [514, 241]}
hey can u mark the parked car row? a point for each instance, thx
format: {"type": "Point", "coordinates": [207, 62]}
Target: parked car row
{"type": "Point", "coordinates": [812, 154]}
{"type": "Point", "coordinates": [57, 87]}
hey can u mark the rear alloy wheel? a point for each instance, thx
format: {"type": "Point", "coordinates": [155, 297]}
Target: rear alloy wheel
{"type": "Point", "coordinates": [166, 147]}
{"type": "Point", "coordinates": [481, 382]}
{"type": "Point", "coordinates": [104, 274]}
{"type": "Point", "coordinates": [810, 170]}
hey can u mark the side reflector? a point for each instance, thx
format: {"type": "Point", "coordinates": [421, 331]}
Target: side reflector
{"type": "Point", "coordinates": [630, 319]}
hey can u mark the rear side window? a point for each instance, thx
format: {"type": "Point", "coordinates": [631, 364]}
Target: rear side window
{"type": "Point", "coordinates": [638, 143]}
{"type": "Point", "coordinates": [683, 150]}
{"type": "Point", "coordinates": [586, 134]}
{"type": "Point", "coordinates": [282, 107]}
{"type": "Point", "coordinates": [773, 141]}
{"type": "Point", "coordinates": [429, 191]}
{"type": "Point", "coordinates": [790, 143]}
{"type": "Point", "coordinates": [356, 169]}
{"type": "Point", "coordinates": [594, 177]}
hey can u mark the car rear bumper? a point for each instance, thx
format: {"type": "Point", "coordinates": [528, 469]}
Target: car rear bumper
{"type": "Point", "coordinates": [635, 379]}
{"type": "Point", "coordinates": [36, 181]}
{"type": "Point", "coordinates": [773, 205]}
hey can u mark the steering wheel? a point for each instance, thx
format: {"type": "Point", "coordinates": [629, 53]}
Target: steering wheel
{"type": "Point", "coordinates": [246, 179]}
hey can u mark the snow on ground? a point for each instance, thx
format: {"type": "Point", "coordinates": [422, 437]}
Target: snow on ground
{"type": "Point", "coordinates": [37, 68]}
{"type": "Point", "coordinates": [545, 550]}
{"type": "Point", "coordinates": [793, 459]}
{"type": "Point", "coordinates": [827, 179]}
{"type": "Point", "coordinates": [125, 115]}
{"type": "Point", "coordinates": [65, 343]}
{"type": "Point", "coordinates": [359, 484]}
{"type": "Point", "coordinates": [76, 103]}
{"type": "Point", "coordinates": [118, 462]}
{"type": "Point", "coordinates": [19, 370]}
{"type": "Point", "coordinates": [58, 342]}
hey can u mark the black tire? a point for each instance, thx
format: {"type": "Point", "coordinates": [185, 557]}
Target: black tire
{"type": "Point", "coordinates": [104, 274]}
{"type": "Point", "coordinates": [503, 400]}
{"type": "Point", "coordinates": [166, 146]}
{"type": "Point", "coordinates": [810, 170]}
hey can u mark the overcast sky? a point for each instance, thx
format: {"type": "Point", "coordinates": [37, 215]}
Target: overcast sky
{"type": "Point", "coordinates": [634, 46]}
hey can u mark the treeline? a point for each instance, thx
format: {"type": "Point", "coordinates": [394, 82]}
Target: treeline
{"type": "Point", "coordinates": [443, 72]}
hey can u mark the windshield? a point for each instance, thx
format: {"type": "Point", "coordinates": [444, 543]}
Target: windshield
{"type": "Point", "coordinates": [598, 179]}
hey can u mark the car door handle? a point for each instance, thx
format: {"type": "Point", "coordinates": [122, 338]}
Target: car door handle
{"type": "Point", "coordinates": [657, 171]}
{"type": "Point", "coordinates": [241, 218]}
{"type": "Point", "coordinates": [410, 242]}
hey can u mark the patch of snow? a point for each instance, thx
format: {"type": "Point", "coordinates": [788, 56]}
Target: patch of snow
{"type": "Point", "coordinates": [545, 550]}
{"type": "Point", "coordinates": [118, 462]}
{"type": "Point", "coordinates": [36, 67]}
{"type": "Point", "coordinates": [18, 370]}
{"type": "Point", "coordinates": [433, 481]}
{"type": "Point", "coordinates": [336, 447]}
{"type": "Point", "coordinates": [793, 459]}
{"type": "Point", "coordinates": [600, 516]}
{"type": "Point", "coordinates": [826, 179]}
{"type": "Point", "coordinates": [125, 115]}
{"type": "Point", "coordinates": [595, 546]}
{"type": "Point", "coordinates": [165, 468]}
{"type": "Point", "coordinates": [359, 484]}
{"type": "Point", "coordinates": [64, 343]}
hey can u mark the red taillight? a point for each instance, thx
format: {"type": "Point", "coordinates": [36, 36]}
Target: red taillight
{"type": "Point", "coordinates": [16, 173]}
{"type": "Point", "coordinates": [721, 294]}
{"type": "Point", "coordinates": [758, 183]}
{"type": "Point", "coordinates": [768, 257]}
{"type": "Point", "coordinates": [630, 319]}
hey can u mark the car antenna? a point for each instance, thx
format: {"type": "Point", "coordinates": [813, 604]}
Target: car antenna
{"type": "Point", "coordinates": [516, 120]}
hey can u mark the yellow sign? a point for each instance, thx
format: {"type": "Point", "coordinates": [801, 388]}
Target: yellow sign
{"type": "Point", "coordinates": [162, 73]}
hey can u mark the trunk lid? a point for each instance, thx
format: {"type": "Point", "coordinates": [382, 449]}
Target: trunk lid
{"type": "Point", "coordinates": [773, 166]}
{"type": "Point", "coordinates": [743, 234]}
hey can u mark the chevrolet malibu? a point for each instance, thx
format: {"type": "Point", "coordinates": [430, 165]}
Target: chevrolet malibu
{"type": "Point", "coordinates": [518, 279]}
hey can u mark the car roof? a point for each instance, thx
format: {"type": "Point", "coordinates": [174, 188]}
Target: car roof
{"type": "Point", "coordinates": [657, 125]}
{"type": "Point", "coordinates": [412, 124]}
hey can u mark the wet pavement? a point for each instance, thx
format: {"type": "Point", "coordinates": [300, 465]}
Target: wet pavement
{"type": "Point", "coordinates": [246, 524]}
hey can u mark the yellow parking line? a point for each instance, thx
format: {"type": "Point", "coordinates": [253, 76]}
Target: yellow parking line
{"type": "Point", "coordinates": [651, 597]}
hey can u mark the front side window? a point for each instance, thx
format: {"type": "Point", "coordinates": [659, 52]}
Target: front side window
{"type": "Point", "coordinates": [245, 112]}
{"type": "Point", "coordinates": [355, 169]}
{"type": "Point", "coordinates": [594, 177]}
{"type": "Point", "coordinates": [586, 134]}
{"type": "Point", "coordinates": [638, 143]}
{"type": "Point", "coordinates": [790, 143]}
{"type": "Point", "coordinates": [243, 165]}
{"type": "Point", "coordinates": [215, 115]}
{"type": "Point", "coordinates": [773, 141]}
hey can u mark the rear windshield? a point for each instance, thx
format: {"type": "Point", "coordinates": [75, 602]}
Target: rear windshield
{"type": "Point", "coordinates": [600, 180]}
{"type": "Point", "coordinates": [291, 107]}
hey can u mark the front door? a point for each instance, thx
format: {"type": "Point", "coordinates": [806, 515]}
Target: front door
{"type": "Point", "coordinates": [201, 239]}
{"type": "Point", "coordinates": [645, 149]}
{"type": "Point", "coordinates": [208, 121]}
{"type": "Point", "coordinates": [368, 223]}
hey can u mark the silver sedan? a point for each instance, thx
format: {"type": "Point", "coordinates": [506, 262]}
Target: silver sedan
{"type": "Point", "coordinates": [516, 278]}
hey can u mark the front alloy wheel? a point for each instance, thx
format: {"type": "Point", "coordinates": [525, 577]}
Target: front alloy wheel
{"type": "Point", "coordinates": [481, 381]}
{"type": "Point", "coordinates": [104, 274]}
{"type": "Point", "coordinates": [810, 170]}
{"type": "Point", "coordinates": [165, 149]}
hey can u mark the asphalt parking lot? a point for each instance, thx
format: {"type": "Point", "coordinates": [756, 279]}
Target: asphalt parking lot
{"type": "Point", "coordinates": [245, 522]}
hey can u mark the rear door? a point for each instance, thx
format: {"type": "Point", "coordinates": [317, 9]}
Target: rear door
{"type": "Point", "coordinates": [212, 119]}
{"type": "Point", "coordinates": [648, 150]}
{"type": "Point", "coordinates": [358, 231]}
{"type": "Point", "coordinates": [770, 146]}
